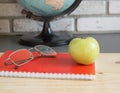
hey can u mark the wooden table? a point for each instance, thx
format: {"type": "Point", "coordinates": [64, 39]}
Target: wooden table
{"type": "Point", "coordinates": [107, 80]}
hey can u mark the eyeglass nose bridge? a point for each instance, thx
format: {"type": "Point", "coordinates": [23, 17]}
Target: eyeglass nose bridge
{"type": "Point", "coordinates": [35, 52]}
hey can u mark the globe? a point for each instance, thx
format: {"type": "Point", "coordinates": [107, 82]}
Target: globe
{"type": "Point", "coordinates": [47, 10]}
{"type": "Point", "coordinates": [46, 7]}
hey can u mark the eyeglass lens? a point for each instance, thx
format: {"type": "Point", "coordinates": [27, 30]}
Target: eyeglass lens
{"type": "Point", "coordinates": [45, 49]}
{"type": "Point", "coordinates": [21, 56]}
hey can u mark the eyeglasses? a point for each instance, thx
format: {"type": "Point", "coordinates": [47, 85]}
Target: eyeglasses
{"type": "Point", "coordinates": [23, 56]}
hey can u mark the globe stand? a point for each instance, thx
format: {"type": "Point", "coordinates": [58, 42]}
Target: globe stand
{"type": "Point", "coordinates": [46, 37]}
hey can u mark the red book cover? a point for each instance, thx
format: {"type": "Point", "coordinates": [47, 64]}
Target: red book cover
{"type": "Point", "coordinates": [60, 67]}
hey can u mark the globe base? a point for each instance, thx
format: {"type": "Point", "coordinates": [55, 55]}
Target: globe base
{"type": "Point", "coordinates": [57, 39]}
{"type": "Point", "coordinates": [46, 37]}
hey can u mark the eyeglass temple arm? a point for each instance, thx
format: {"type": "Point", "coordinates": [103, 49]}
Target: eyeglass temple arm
{"type": "Point", "coordinates": [7, 63]}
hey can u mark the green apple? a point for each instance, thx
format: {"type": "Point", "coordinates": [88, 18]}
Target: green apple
{"type": "Point", "coordinates": [84, 50]}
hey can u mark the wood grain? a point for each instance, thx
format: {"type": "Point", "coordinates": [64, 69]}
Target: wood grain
{"type": "Point", "coordinates": [107, 80]}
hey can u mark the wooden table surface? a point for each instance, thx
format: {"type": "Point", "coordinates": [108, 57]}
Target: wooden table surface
{"type": "Point", "coordinates": [107, 80]}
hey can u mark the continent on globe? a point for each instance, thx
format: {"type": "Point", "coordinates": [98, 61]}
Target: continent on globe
{"type": "Point", "coordinates": [56, 4]}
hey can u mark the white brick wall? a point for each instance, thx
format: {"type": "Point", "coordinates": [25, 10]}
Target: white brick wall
{"type": "Point", "coordinates": [98, 16]}
{"type": "Point", "coordinates": [4, 25]}
{"type": "Point", "coordinates": [91, 7]}
{"type": "Point", "coordinates": [99, 24]}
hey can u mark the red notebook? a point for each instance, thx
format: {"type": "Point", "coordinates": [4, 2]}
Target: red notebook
{"type": "Point", "coordinates": [61, 67]}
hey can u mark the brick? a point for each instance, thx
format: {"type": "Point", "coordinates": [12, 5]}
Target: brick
{"type": "Point", "coordinates": [4, 25]}
{"type": "Point", "coordinates": [26, 25]}
{"type": "Point", "coordinates": [64, 24]}
{"type": "Point", "coordinates": [12, 9]}
{"type": "Point", "coordinates": [99, 24]}
{"type": "Point", "coordinates": [91, 7]}
{"type": "Point", "coordinates": [114, 7]}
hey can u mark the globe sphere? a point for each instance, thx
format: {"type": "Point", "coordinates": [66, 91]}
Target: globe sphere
{"type": "Point", "coordinates": [46, 7]}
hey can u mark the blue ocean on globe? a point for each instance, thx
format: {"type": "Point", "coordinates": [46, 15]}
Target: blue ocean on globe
{"type": "Point", "coordinates": [46, 7]}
